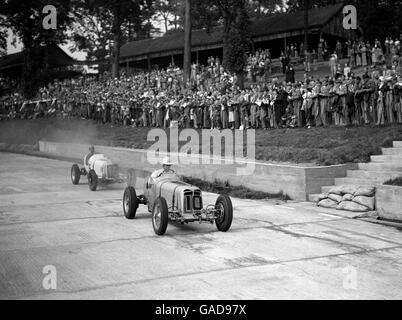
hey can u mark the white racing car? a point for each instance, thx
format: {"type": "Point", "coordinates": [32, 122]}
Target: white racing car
{"type": "Point", "coordinates": [100, 171]}
{"type": "Point", "coordinates": [169, 198]}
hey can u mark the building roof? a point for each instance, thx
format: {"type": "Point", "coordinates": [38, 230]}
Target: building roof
{"type": "Point", "coordinates": [57, 58]}
{"type": "Point", "coordinates": [273, 25]}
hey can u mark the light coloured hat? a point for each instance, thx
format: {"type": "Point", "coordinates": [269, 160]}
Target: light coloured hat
{"type": "Point", "coordinates": [166, 161]}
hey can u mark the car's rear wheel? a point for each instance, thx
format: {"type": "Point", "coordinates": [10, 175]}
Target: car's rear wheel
{"type": "Point", "coordinates": [130, 203]}
{"type": "Point", "coordinates": [75, 174]}
{"type": "Point", "coordinates": [92, 180]}
{"type": "Point", "coordinates": [224, 220]}
{"type": "Point", "coordinates": [131, 178]}
{"type": "Point", "coordinates": [160, 216]}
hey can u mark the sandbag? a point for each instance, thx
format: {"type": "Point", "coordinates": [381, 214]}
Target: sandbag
{"type": "Point", "coordinates": [365, 191]}
{"type": "Point", "coordinates": [368, 202]}
{"type": "Point", "coordinates": [351, 206]}
{"type": "Point", "coordinates": [322, 196]}
{"type": "Point", "coordinates": [347, 197]}
{"type": "Point", "coordinates": [328, 203]}
{"type": "Point", "coordinates": [341, 190]}
{"type": "Point", "coordinates": [336, 190]}
{"type": "Point", "coordinates": [337, 198]}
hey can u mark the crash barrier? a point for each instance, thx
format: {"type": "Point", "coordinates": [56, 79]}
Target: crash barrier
{"type": "Point", "coordinates": [389, 202]}
{"type": "Point", "coordinates": [297, 182]}
{"type": "Point", "coordinates": [349, 198]}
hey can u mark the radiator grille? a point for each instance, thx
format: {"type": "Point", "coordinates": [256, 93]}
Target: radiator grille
{"type": "Point", "coordinates": [112, 171]}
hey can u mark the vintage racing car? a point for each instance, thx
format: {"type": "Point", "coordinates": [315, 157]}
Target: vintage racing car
{"type": "Point", "coordinates": [100, 171]}
{"type": "Point", "coordinates": [169, 198]}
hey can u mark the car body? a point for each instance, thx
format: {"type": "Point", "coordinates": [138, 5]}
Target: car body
{"type": "Point", "coordinates": [99, 169]}
{"type": "Point", "coordinates": [169, 198]}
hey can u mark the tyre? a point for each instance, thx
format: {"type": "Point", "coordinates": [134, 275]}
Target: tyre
{"type": "Point", "coordinates": [92, 180]}
{"type": "Point", "coordinates": [160, 216]}
{"type": "Point", "coordinates": [75, 174]}
{"type": "Point", "coordinates": [131, 178]}
{"type": "Point", "coordinates": [224, 221]}
{"type": "Point", "coordinates": [130, 203]}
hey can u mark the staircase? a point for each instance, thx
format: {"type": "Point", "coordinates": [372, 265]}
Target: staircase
{"type": "Point", "coordinates": [381, 168]}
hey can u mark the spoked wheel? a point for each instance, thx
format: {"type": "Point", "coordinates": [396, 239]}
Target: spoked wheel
{"type": "Point", "coordinates": [75, 174]}
{"type": "Point", "coordinates": [92, 180]}
{"type": "Point", "coordinates": [160, 216]}
{"type": "Point", "coordinates": [130, 203]}
{"type": "Point", "coordinates": [224, 220]}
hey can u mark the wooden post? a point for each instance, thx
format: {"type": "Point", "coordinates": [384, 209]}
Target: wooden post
{"type": "Point", "coordinates": [149, 63]}
{"type": "Point", "coordinates": [284, 51]}
{"type": "Point", "coordinates": [187, 43]}
{"type": "Point", "coordinates": [306, 7]}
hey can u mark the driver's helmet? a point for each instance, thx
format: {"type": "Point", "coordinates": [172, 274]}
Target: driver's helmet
{"type": "Point", "coordinates": [92, 149]}
{"type": "Point", "coordinates": [166, 161]}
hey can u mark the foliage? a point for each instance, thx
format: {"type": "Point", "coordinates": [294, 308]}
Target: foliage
{"type": "Point", "coordinates": [101, 26]}
{"type": "Point", "coordinates": [240, 192]}
{"type": "Point", "coordinates": [394, 182]}
{"type": "Point", "coordinates": [24, 19]}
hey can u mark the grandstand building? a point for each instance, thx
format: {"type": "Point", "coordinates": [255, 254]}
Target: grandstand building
{"type": "Point", "coordinates": [51, 57]}
{"type": "Point", "coordinates": [274, 33]}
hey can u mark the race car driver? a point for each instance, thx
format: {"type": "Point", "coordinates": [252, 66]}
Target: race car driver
{"type": "Point", "coordinates": [166, 168]}
{"type": "Point", "coordinates": [90, 154]}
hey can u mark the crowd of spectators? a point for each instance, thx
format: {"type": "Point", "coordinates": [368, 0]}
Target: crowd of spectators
{"type": "Point", "coordinates": [213, 98]}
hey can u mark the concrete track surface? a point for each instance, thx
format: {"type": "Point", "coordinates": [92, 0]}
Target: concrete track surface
{"type": "Point", "coordinates": [285, 251]}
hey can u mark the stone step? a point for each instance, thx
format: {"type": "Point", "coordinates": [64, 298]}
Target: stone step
{"type": "Point", "coordinates": [355, 182]}
{"type": "Point", "coordinates": [383, 167]}
{"type": "Point", "coordinates": [387, 158]}
{"type": "Point", "coordinates": [392, 151]}
{"type": "Point", "coordinates": [397, 144]}
{"type": "Point", "coordinates": [381, 176]}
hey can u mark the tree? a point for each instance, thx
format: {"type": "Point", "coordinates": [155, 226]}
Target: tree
{"type": "Point", "coordinates": [3, 36]}
{"type": "Point", "coordinates": [260, 8]}
{"type": "Point", "coordinates": [187, 43]}
{"type": "Point", "coordinates": [236, 36]}
{"type": "Point", "coordinates": [170, 12]}
{"type": "Point", "coordinates": [102, 26]}
{"type": "Point", "coordinates": [24, 19]}
{"type": "Point", "coordinates": [92, 33]}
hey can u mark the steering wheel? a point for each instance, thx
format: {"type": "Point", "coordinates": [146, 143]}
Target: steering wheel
{"type": "Point", "coordinates": [166, 172]}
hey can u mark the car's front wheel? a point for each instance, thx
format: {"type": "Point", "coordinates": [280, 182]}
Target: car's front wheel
{"type": "Point", "coordinates": [225, 217]}
{"type": "Point", "coordinates": [130, 203]}
{"type": "Point", "coordinates": [75, 174]}
{"type": "Point", "coordinates": [92, 180]}
{"type": "Point", "coordinates": [160, 216]}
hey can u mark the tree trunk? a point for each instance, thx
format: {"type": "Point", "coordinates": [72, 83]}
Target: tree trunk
{"type": "Point", "coordinates": [116, 45]}
{"type": "Point", "coordinates": [27, 73]}
{"type": "Point", "coordinates": [187, 44]}
{"type": "Point", "coordinates": [306, 7]}
{"type": "Point", "coordinates": [240, 80]}
{"type": "Point", "coordinates": [226, 30]}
